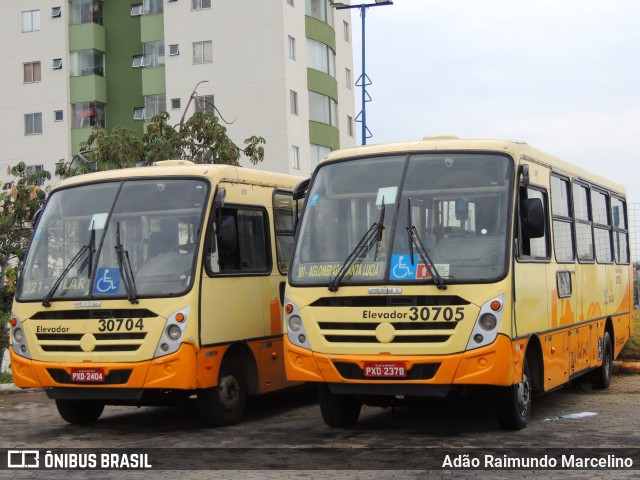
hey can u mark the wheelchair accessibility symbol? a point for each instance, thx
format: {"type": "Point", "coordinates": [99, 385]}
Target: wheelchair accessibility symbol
{"type": "Point", "coordinates": [401, 267]}
{"type": "Point", "coordinates": [107, 281]}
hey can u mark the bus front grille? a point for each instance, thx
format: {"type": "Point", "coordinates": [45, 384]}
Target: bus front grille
{"type": "Point", "coordinates": [401, 332]}
{"type": "Point", "coordinates": [97, 342]}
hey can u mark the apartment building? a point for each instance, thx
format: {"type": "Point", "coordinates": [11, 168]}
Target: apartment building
{"type": "Point", "coordinates": [280, 69]}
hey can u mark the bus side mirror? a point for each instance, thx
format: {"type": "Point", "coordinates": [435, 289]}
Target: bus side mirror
{"type": "Point", "coordinates": [227, 234]}
{"type": "Point", "coordinates": [534, 221]}
{"type": "Point", "coordinates": [301, 189]}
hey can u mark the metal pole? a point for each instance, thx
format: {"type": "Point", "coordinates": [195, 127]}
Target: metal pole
{"type": "Point", "coordinates": [363, 14]}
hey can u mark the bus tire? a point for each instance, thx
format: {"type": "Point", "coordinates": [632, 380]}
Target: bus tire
{"type": "Point", "coordinates": [514, 402]}
{"type": "Point", "coordinates": [601, 377]}
{"type": "Point", "coordinates": [224, 404]}
{"type": "Point", "coordinates": [79, 412]}
{"type": "Point", "coordinates": [341, 411]}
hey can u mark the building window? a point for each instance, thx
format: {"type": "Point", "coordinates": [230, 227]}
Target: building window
{"type": "Point", "coordinates": [200, 4]}
{"type": "Point", "coordinates": [138, 113]}
{"type": "Point", "coordinates": [174, 49]}
{"type": "Point", "coordinates": [56, 12]}
{"type": "Point", "coordinates": [321, 57]}
{"type": "Point", "coordinates": [175, 103]}
{"type": "Point", "coordinates": [205, 103]}
{"type": "Point", "coordinates": [137, 61]}
{"type": "Point", "coordinates": [58, 115]}
{"type": "Point", "coordinates": [136, 10]}
{"type": "Point", "coordinates": [295, 157]}
{"type": "Point", "coordinates": [320, 10]}
{"type": "Point", "coordinates": [350, 125]}
{"type": "Point", "coordinates": [88, 114]}
{"type": "Point", "coordinates": [153, 53]}
{"type": "Point", "coordinates": [323, 109]}
{"type": "Point", "coordinates": [292, 48]}
{"type": "Point", "coordinates": [31, 72]}
{"type": "Point", "coordinates": [87, 62]}
{"type": "Point", "coordinates": [31, 21]}
{"type": "Point", "coordinates": [347, 31]}
{"type": "Point", "coordinates": [33, 124]}
{"type": "Point", "coordinates": [153, 105]}
{"type": "Point", "coordinates": [32, 174]}
{"type": "Point", "coordinates": [318, 152]}
{"type": "Point", "coordinates": [348, 78]}
{"type": "Point", "coordinates": [86, 11]}
{"type": "Point", "coordinates": [293, 100]}
{"type": "Point", "coordinates": [152, 7]}
{"type": "Point", "coordinates": [203, 52]}
{"type": "Point", "coordinates": [56, 64]}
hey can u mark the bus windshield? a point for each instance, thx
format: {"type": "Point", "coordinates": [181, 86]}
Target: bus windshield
{"type": "Point", "coordinates": [455, 205]}
{"type": "Point", "coordinates": [112, 240]}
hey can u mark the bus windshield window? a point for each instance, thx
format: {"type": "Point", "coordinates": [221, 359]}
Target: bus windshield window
{"type": "Point", "coordinates": [458, 204]}
{"type": "Point", "coordinates": [156, 224]}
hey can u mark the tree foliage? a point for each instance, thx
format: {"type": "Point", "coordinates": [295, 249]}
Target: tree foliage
{"type": "Point", "coordinates": [201, 139]}
{"type": "Point", "coordinates": [20, 199]}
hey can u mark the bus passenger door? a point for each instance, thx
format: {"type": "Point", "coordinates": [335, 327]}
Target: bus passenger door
{"type": "Point", "coordinates": [236, 262]}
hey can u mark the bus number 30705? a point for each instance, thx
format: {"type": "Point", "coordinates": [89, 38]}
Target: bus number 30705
{"type": "Point", "coordinates": [119, 324]}
{"type": "Point", "coordinates": [436, 313]}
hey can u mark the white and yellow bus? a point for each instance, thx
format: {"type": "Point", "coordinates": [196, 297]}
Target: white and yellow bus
{"type": "Point", "coordinates": [148, 285]}
{"type": "Point", "coordinates": [424, 268]}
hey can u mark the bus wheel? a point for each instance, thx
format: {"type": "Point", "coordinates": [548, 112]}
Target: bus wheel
{"type": "Point", "coordinates": [339, 410]}
{"type": "Point", "coordinates": [80, 411]}
{"type": "Point", "coordinates": [514, 402]}
{"type": "Point", "coordinates": [224, 405]}
{"type": "Point", "coordinates": [602, 375]}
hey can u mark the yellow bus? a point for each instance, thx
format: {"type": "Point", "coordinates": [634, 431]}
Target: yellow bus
{"type": "Point", "coordinates": [149, 285]}
{"type": "Point", "coordinates": [425, 268]}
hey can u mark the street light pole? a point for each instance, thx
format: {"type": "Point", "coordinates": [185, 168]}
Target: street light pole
{"type": "Point", "coordinates": [363, 81]}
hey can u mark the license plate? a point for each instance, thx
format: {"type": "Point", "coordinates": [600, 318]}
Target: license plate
{"type": "Point", "coordinates": [385, 369]}
{"type": "Point", "coordinates": [87, 375]}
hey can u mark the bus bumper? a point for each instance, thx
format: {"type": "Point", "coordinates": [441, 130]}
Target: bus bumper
{"type": "Point", "coordinates": [495, 364]}
{"type": "Point", "coordinates": [172, 372]}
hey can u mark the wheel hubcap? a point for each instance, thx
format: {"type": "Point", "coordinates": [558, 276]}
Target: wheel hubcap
{"type": "Point", "coordinates": [229, 392]}
{"type": "Point", "coordinates": [524, 396]}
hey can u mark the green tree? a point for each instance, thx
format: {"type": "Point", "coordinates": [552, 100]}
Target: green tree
{"type": "Point", "coordinates": [201, 139]}
{"type": "Point", "coordinates": [20, 199]}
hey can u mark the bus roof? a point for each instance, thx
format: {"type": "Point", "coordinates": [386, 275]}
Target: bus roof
{"type": "Point", "coordinates": [518, 150]}
{"type": "Point", "coordinates": [169, 168]}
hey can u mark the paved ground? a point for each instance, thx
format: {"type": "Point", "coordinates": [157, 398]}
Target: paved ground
{"type": "Point", "coordinates": [283, 436]}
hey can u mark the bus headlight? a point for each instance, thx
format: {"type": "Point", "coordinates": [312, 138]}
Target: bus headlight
{"type": "Point", "coordinates": [295, 327]}
{"type": "Point", "coordinates": [18, 340]}
{"type": "Point", "coordinates": [173, 332]}
{"type": "Point", "coordinates": [488, 321]}
{"type": "Point", "coordinates": [487, 324]}
{"type": "Point", "coordinates": [18, 335]}
{"type": "Point", "coordinates": [295, 323]}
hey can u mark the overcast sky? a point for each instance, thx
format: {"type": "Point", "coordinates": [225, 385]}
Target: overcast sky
{"type": "Point", "coordinates": [561, 75]}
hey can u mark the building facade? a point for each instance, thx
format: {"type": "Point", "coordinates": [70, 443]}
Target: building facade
{"type": "Point", "coordinates": [279, 69]}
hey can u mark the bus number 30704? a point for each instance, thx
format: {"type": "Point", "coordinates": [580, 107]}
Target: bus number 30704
{"type": "Point", "coordinates": [120, 324]}
{"type": "Point", "coordinates": [436, 313]}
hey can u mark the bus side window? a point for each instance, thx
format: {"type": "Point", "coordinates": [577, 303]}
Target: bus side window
{"type": "Point", "coordinates": [240, 244]}
{"type": "Point", "coordinates": [533, 233]}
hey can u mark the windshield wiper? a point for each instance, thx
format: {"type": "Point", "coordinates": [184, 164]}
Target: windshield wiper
{"type": "Point", "coordinates": [372, 237]}
{"type": "Point", "coordinates": [46, 302]}
{"type": "Point", "coordinates": [414, 239]}
{"type": "Point", "coordinates": [124, 265]}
